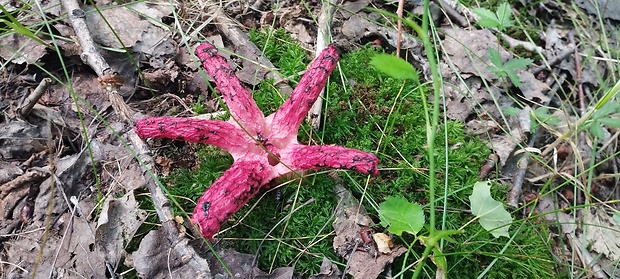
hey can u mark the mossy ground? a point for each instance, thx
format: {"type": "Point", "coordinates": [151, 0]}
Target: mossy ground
{"type": "Point", "coordinates": [372, 112]}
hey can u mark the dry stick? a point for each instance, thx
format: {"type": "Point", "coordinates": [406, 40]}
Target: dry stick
{"type": "Point", "coordinates": [28, 103]}
{"type": "Point", "coordinates": [164, 212]}
{"type": "Point", "coordinates": [582, 106]}
{"type": "Point", "coordinates": [556, 60]}
{"type": "Point", "coordinates": [453, 13]}
{"type": "Point", "coordinates": [579, 80]}
{"type": "Point", "coordinates": [91, 56]}
{"type": "Point", "coordinates": [517, 186]}
{"type": "Point", "coordinates": [586, 258]}
{"type": "Point", "coordinates": [462, 9]}
{"type": "Point", "coordinates": [513, 43]}
{"type": "Point", "coordinates": [322, 39]}
{"type": "Point", "coordinates": [399, 36]}
{"type": "Point", "coordinates": [229, 28]}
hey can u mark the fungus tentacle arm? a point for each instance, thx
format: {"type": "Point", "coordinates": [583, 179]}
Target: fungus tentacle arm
{"type": "Point", "coordinates": [302, 157]}
{"type": "Point", "coordinates": [229, 193]}
{"type": "Point", "coordinates": [239, 101]}
{"type": "Point", "coordinates": [215, 132]}
{"type": "Point", "coordinates": [288, 117]}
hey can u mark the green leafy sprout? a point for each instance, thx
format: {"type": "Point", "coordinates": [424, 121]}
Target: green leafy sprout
{"type": "Point", "coordinates": [501, 20]}
{"type": "Point", "coordinates": [608, 114]}
{"type": "Point", "coordinates": [399, 215]}
{"type": "Point", "coordinates": [508, 69]}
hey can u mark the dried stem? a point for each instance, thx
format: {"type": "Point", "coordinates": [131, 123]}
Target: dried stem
{"type": "Point", "coordinates": [164, 211]}
{"type": "Point", "coordinates": [28, 103]}
{"type": "Point", "coordinates": [322, 40]}
{"type": "Point", "coordinates": [399, 36]}
{"type": "Point", "coordinates": [91, 56]}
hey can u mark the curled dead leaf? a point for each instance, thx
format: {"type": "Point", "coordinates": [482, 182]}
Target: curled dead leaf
{"type": "Point", "coordinates": [384, 243]}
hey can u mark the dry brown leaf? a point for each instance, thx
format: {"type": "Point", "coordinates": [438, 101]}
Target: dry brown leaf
{"type": "Point", "coordinates": [156, 258]}
{"type": "Point", "coordinates": [602, 233]}
{"type": "Point", "coordinates": [68, 253]}
{"type": "Point", "coordinates": [119, 220]}
{"type": "Point", "coordinates": [328, 270]}
{"type": "Point", "coordinates": [18, 49]}
{"type": "Point", "coordinates": [350, 218]}
{"type": "Point", "coordinates": [532, 88]}
{"type": "Point", "coordinates": [468, 50]}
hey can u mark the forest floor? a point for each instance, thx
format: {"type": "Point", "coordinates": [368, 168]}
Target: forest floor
{"type": "Point", "coordinates": [497, 157]}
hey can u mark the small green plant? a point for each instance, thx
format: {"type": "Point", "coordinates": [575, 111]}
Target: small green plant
{"type": "Point", "coordinates": [608, 114]}
{"type": "Point", "coordinates": [198, 107]}
{"type": "Point", "coordinates": [537, 116]}
{"type": "Point", "coordinates": [461, 255]}
{"type": "Point", "coordinates": [501, 20]}
{"type": "Point", "coordinates": [508, 69]}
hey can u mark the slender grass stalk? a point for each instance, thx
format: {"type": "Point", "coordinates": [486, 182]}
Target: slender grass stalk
{"type": "Point", "coordinates": [432, 122]}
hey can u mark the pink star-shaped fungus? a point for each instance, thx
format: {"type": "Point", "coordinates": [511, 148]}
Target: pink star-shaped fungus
{"type": "Point", "coordinates": [263, 147]}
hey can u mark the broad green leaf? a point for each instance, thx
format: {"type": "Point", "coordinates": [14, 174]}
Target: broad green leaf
{"type": "Point", "coordinates": [394, 67]}
{"type": "Point", "coordinates": [606, 109]}
{"type": "Point", "coordinates": [610, 122]}
{"type": "Point", "coordinates": [504, 14]}
{"type": "Point", "coordinates": [517, 64]}
{"type": "Point", "coordinates": [491, 213]}
{"type": "Point", "coordinates": [401, 215]}
{"type": "Point", "coordinates": [495, 58]}
{"type": "Point", "coordinates": [514, 78]}
{"type": "Point", "coordinates": [487, 18]}
{"type": "Point", "coordinates": [596, 130]}
{"type": "Point", "coordinates": [511, 111]}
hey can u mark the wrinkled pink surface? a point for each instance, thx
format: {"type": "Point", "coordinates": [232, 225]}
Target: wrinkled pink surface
{"type": "Point", "coordinates": [229, 193]}
{"type": "Point", "coordinates": [268, 146]}
{"type": "Point", "coordinates": [239, 101]}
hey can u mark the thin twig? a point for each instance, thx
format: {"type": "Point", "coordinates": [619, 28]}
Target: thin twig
{"type": "Point", "coordinates": [162, 205]}
{"type": "Point", "coordinates": [462, 9]}
{"type": "Point", "coordinates": [324, 33]}
{"type": "Point", "coordinates": [91, 57]}
{"type": "Point", "coordinates": [517, 186]}
{"type": "Point", "coordinates": [399, 36]}
{"type": "Point", "coordinates": [556, 60]}
{"type": "Point", "coordinates": [28, 102]}
{"type": "Point", "coordinates": [453, 14]}
{"type": "Point", "coordinates": [529, 46]}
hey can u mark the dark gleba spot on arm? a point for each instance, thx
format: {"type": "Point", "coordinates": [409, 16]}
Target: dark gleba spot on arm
{"type": "Point", "coordinates": [205, 208]}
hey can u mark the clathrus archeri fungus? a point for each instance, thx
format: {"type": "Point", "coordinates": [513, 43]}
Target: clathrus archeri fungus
{"type": "Point", "coordinates": [263, 148]}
